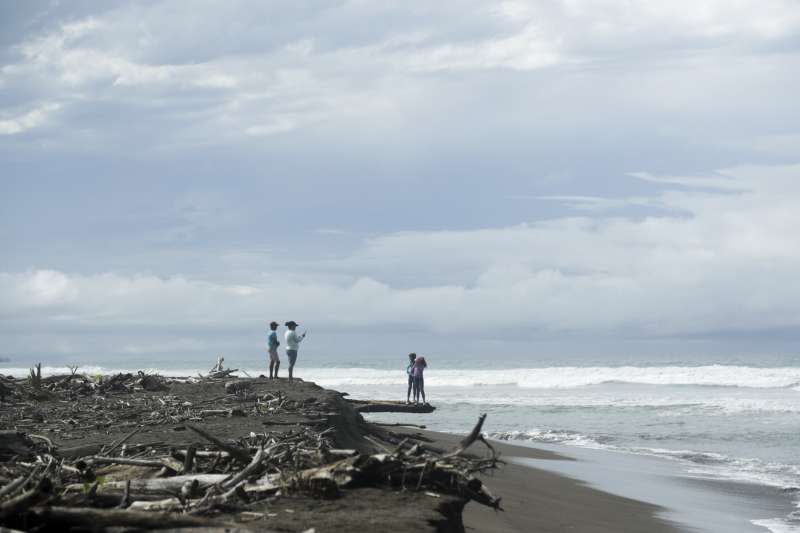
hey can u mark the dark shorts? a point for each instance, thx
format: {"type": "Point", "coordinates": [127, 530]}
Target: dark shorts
{"type": "Point", "coordinates": [292, 355]}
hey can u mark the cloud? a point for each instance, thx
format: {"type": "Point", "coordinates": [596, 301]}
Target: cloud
{"type": "Point", "coordinates": [596, 203]}
{"type": "Point", "coordinates": [279, 68]}
{"type": "Point", "coordinates": [729, 265]}
{"type": "Point", "coordinates": [34, 118]}
{"type": "Point", "coordinates": [364, 165]}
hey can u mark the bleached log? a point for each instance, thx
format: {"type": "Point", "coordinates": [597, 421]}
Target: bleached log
{"type": "Point", "coordinates": [247, 471]}
{"type": "Point", "coordinates": [166, 485]}
{"type": "Point", "coordinates": [153, 463]}
{"type": "Point", "coordinates": [18, 483]}
{"type": "Point", "coordinates": [30, 497]}
{"type": "Point", "coordinates": [101, 518]}
{"type": "Point", "coordinates": [168, 504]}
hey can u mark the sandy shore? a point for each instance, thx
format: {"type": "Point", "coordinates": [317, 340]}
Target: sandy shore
{"type": "Point", "coordinates": [533, 500]}
{"type": "Point", "coordinates": [538, 501]}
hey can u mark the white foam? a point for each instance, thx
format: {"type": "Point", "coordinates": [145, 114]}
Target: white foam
{"type": "Point", "coordinates": [777, 525]}
{"type": "Point", "coordinates": [549, 436]}
{"type": "Point", "coordinates": [529, 378]}
{"type": "Point", "coordinates": [697, 464]}
{"type": "Point", "coordinates": [571, 377]}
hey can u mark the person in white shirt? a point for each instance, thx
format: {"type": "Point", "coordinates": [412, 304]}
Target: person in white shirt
{"type": "Point", "coordinates": [292, 344]}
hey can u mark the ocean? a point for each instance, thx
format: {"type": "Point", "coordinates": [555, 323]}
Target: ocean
{"type": "Point", "coordinates": [713, 419]}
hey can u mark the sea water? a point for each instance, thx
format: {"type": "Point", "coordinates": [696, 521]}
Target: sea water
{"type": "Point", "coordinates": [734, 420]}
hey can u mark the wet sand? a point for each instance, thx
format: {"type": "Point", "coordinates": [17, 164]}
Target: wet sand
{"type": "Point", "coordinates": [536, 500]}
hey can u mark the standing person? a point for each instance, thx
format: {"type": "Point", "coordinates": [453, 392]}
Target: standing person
{"type": "Point", "coordinates": [417, 372]}
{"type": "Point", "coordinates": [411, 358]}
{"type": "Point", "coordinates": [272, 347]}
{"type": "Point", "coordinates": [292, 345]}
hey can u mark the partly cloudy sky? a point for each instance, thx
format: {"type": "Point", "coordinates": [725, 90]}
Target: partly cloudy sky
{"type": "Point", "coordinates": [452, 176]}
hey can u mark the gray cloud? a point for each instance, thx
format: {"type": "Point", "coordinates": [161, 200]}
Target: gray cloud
{"type": "Point", "coordinates": [667, 275]}
{"type": "Point", "coordinates": [422, 166]}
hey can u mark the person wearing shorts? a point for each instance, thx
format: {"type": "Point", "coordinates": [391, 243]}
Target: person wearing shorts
{"type": "Point", "coordinates": [292, 345]}
{"type": "Point", "coordinates": [272, 348]}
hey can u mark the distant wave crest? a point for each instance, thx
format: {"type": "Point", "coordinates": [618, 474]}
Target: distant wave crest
{"type": "Point", "coordinates": [533, 378]}
{"type": "Point", "coordinates": [571, 377]}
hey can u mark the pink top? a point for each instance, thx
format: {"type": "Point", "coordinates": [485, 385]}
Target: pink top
{"type": "Point", "coordinates": [419, 366]}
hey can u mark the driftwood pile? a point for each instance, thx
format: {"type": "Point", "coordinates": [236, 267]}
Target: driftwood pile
{"type": "Point", "coordinates": [74, 385]}
{"type": "Point", "coordinates": [289, 449]}
{"type": "Point", "coordinates": [218, 371]}
{"type": "Point", "coordinates": [159, 487]}
{"type": "Point", "coordinates": [72, 417]}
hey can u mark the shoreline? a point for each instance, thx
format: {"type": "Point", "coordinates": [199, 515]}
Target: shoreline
{"type": "Point", "coordinates": [535, 499]}
{"type": "Point", "coordinates": [714, 505]}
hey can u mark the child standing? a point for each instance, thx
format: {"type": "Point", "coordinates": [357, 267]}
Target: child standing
{"type": "Point", "coordinates": [411, 358]}
{"type": "Point", "coordinates": [272, 348]}
{"type": "Point", "coordinates": [417, 372]}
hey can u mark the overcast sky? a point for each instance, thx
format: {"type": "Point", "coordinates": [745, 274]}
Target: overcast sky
{"type": "Point", "coordinates": [468, 174]}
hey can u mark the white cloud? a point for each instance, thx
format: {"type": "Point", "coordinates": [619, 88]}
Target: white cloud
{"type": "Point", "coordinates": [729, 264]}
{"type": "Point", "coordinates": [161, 52]}
{"type": "Point", "coordinates": [32, 119]}
{"type": "Point", "coordinates": [596, 203]}
{"type": "Point", "coordinates": [526, 49]}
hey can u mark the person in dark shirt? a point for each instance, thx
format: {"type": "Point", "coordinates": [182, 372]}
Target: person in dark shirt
{"type": "Point", "coordinates": [411, 358]}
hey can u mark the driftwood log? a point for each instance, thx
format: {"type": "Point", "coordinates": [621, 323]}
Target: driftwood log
{"type": "Point", "coordinates": [367, 406]}
{"type": "Point", "coordinates": [96, 518]}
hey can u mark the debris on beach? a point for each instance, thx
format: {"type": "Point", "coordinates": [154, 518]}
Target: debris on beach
{"type": "Point", "coordinates": [218, 371]}
{"type": "Point", "coordinates": [293, 448]}
{"type": "Point", "coordinates": [69, 386]}
{"type": "Point", "coordinates": [386, 406]}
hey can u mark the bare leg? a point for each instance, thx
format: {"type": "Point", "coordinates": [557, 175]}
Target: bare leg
{"type": "Point", "coordinates": [277, 366]}
{"type": "Point", "coordinates": [271, 367]}
{"type": "Point", "coordinates": [291, 368]}
{"type": "Point", "coordinates": [408, 393]}
{"type": "Point", "coordinates": [422, 389]}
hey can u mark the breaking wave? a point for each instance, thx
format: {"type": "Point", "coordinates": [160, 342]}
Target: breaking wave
{"type": "Point", "coordinates": [698, 464]}
{"type": "Point", "coordinates": [572, 377]}
{"type": "Point", "coordinates": [558, 377]}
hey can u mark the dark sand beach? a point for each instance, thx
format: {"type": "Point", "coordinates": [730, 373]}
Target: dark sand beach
{"type": "Point", "coordinates": [80, 422]}
{"type": "Point", "coordinates": [541, 501]}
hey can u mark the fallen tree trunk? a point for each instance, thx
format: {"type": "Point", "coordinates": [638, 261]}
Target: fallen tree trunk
{"type": "Point", "coordinates": [368, 406]}
{"type": "Point", "coordinates": [96, 518]}
{"type": "Point", "coordinates": [167, 485]}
